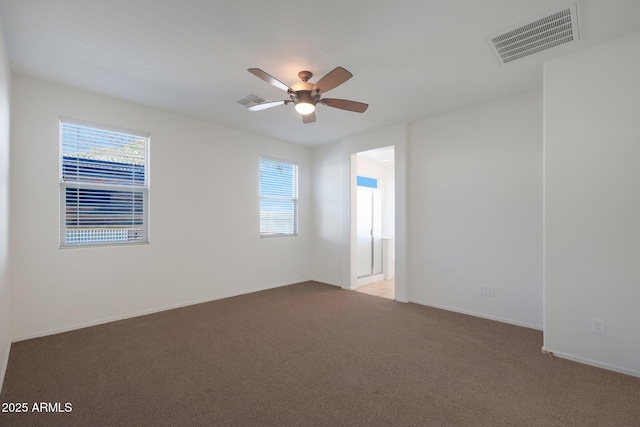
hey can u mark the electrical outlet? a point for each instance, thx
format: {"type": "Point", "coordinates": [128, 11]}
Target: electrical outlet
{"type": "Point", "coordinates": [597, 326]}
{"type": "Point", "coordinates": [491, 291]}
{"type": "Point", "coordinates": [483, 290]}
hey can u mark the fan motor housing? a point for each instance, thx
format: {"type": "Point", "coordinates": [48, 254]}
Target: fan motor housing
{"type": "Point", "coordinates": [304, 96]}
{"type": "Point", "coordinates": [302, 86]}
{"type": "Point", "coordinates": [303, 92]}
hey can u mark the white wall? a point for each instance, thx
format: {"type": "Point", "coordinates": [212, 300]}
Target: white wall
{"type": "Point", "coordinates": [5, 295]}
{"type": "Point", "coordinates": [475, 210]}
{"type": "Point", "coordinates": [327, 194]}
{"type": "Point", "coordinates": [592, 205]}
{"type": "Point", "coordinates": [389, 215]}
{"type": "Point", "coordinates": [204, 220]}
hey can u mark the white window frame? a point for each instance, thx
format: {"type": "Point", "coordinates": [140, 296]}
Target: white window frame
{"type": "Point", "coordinates": [267, 197]}
{"type": "Point", "coordinates": [64, 184]}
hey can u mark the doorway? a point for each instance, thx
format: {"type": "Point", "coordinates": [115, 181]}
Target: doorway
{"type": "Point", "coordinates": [375, 221]}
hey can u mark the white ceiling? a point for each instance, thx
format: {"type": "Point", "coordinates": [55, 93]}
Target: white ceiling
{"type": "Point", "coordinates": [384, 155]}
{"type": "Point", "coordinates": [410, 59]}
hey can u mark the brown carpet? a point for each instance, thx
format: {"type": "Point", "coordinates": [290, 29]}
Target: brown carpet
{"type": "Point", "coordinates": [310, 354]}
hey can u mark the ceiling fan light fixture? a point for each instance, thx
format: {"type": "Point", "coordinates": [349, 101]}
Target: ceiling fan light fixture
{"type": "Point", "coordinates": [305, 95]}
{"type": "Point", "coordinates": [305, 108]}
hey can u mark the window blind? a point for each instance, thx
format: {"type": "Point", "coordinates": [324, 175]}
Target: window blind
{"type": "Point", "coordinates": [103, 185]}
{"type": "Point", "coordinates": [278, 197]}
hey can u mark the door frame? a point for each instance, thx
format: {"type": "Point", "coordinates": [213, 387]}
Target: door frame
{"type": "Point", "coordinates": [395, 136]}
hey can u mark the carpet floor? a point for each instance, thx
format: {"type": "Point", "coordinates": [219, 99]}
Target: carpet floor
{"type": "Point", "coordinates": [308, 354]}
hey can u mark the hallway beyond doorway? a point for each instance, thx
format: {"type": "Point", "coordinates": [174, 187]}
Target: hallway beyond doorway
{"type": "Point", "coordinates": [383, 289]}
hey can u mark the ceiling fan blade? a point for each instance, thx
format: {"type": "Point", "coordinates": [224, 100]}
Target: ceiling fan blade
{"type": "Point", "coordinates": [269, 79]}
{"type": "Point", "coordinates": [266, 105]}
{"type": "Point", "coordinates": [343, 104]}
{"type": "Point", "coordinates": [334, 78]}
{"type": "Point", "coordinates": [309, 118]}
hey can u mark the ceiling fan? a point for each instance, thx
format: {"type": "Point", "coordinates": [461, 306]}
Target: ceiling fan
{"type": "Point", "coordinates": [305, 96]}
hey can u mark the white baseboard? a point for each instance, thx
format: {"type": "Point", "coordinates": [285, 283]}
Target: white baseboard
{"type": "Point", "coordinates": [326, 282]}
{"type": "Point", "coordinates": [590, 362]}
{"type": "Point", "coordinates": [145, 312]}
{"type": "Point", "coordinates": [484, 316]}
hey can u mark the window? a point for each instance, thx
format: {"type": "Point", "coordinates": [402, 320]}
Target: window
{"type": "Point", "coordinates": [363, 181]}
{"type": "Point", "coordinates": [278, 197]}
{"type": "Point", "coordinates": [104, 185]}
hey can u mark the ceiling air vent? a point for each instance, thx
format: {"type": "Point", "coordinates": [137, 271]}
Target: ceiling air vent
{"type": "Point", "coordinates": [251, 99]}
{"type": "Point", "coordinates": [543, 32]}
